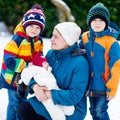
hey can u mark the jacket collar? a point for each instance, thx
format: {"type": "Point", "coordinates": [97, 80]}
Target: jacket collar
{"type": "Point", "coordinates": [60, 54]}
{"type": "Point", "coordinates": [27, 37]}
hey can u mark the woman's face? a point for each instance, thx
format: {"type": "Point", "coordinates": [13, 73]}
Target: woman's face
{"type": "Point", "coordinates": [57, 41]}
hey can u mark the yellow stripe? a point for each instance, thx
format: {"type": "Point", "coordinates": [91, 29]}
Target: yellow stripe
{"type": "Point", "coordinates": [12, 47]}
{"type": "Point", "coordinates": [8, 78]}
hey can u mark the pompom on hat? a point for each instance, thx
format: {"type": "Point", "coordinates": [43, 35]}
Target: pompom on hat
{"type": "Point", "coordinates": [98, 11]}
{"type": "Point", "coordinates": [70, 31]}
{"type": "Point", "coordinates": [34, 16]}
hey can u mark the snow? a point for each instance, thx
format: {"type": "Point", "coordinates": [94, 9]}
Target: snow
{"type": "Point", "coordinates": [114, 105]}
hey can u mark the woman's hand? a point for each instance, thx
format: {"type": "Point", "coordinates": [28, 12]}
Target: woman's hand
{"type": "Point", "coordinates": [40, 92]}
{"type": "Point", "coordinates": [48, 93]}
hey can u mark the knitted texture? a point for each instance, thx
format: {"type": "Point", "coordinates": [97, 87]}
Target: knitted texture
{"type": "Point", "coordinates": [70, 31]}
{"type": "Point", "coordinates": [34, 16]}
{"type": "Point", "coordinates": [98, 11]}
{"type": "Point", "coordinates": [38, 59]}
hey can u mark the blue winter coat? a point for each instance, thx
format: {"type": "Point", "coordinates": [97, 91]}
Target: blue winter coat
{"type": "Point", "coordinates": [71, 73]}
{"type": "Point", "coordinates": [103, 54]}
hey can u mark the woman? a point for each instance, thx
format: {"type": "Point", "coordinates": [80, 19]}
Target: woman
{"type": "Point", "coordinates": [71, 73]}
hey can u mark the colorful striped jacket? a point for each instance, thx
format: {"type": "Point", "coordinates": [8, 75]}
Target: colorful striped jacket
{"type": "Point", "coordinates": [17, 53]}
{"type": "Point", "coordinates": [103, 54]}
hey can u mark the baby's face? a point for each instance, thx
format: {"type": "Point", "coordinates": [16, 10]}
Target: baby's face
{"type": "Point", "coordinates": [45, 65]}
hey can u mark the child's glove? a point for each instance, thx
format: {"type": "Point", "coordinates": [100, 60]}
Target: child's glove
{"type": "Point", "coordinates": [21, 89]}
{"type": "Point", "coordinates": [38, 59]}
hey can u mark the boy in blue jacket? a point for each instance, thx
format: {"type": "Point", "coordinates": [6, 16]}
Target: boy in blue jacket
{"type": "Point", "coordinates": [103, 54]}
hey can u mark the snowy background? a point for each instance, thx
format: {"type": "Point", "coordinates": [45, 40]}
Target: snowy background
{"type": "Point", "coordinates": [114, 105]}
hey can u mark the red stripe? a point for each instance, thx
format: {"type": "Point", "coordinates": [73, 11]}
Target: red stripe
{"type": "Point", "coordinates": [3, 66]}
{"type": "Point", "coordinates": [26, 58]}
{"type": "Point", "coordinates": [8, 52]}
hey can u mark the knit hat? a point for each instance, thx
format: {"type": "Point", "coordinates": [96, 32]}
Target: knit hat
{"type": "Point", "coordinates": [38, 59]}
{"type": "Point", "coordinates": [98, 11]}
{"type": "Point", "coordinates": [70, 31]}
{"type": "Point", "coordinates": [34, 16]}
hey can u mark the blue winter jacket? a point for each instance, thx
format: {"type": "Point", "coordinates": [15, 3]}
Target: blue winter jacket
{"type": "Point", "coordinates": [103, 54]}
{"type": "Point", "coordinates": [71, 73]}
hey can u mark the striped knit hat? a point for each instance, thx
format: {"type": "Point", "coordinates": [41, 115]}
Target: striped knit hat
{"type": "Point", "coordinates": [34, 16]}
{"type": "Point", "coordinates": [98, 11]}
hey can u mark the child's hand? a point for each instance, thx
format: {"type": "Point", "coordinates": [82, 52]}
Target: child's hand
{"type": "Point", "coordinates": [109, 97]}
{"type": "Point", "coordinates": [30, 64]}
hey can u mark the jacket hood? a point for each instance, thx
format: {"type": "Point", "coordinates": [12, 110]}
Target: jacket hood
{"type": "Point", "coordinates": [19, 28]}
{"type": "Point", "coordinates": [114, 30]}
